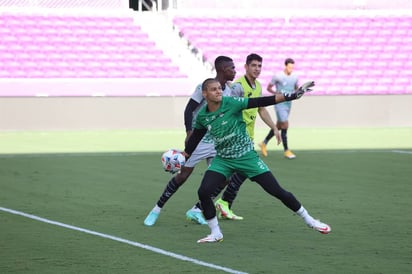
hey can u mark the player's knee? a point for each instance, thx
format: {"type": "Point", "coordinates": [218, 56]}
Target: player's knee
{"type": "Point", "coordinates": [283, 194]}
{"type": "Point", "coordinates": [203, 193]}
{"type": "Point", "coordinates": [179, 179]}
{"type": "Point", "coordinates": [283, 125]}
{"type": "Point", "coordinates": [211, 181]}
{"type": "Point", "coordinates": [183, 175]}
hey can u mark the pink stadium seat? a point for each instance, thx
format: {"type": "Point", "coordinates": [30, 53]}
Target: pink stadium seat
{"type": "Point", "coordinates": [39, 46]}
{"type": "Point", "coordinates": [397, 89]}
{"type": "Point", "coordinates": [356, 49]}
{"type": "Point", "coordinates": [335, 50]}
{"type": "Point", "coordinates": [332, 90]}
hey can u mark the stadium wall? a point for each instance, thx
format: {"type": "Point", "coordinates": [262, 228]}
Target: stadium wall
{"type": "Point", "coordinates": [94, 113]}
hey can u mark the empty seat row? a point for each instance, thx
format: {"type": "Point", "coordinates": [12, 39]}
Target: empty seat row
{"type": "Point", "coordinates": [38, 46]}
{"type": "Point", "coordinates": [356, 50]}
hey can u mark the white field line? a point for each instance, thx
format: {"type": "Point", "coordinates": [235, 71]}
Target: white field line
{"type": "Point", "coordinates": [402, 151]}
{"type": "Point", "coordinates": [121, 240]}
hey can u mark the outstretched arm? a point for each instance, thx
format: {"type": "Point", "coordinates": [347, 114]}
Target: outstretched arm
{"type": "Point", "coordinates": [279, 97]}
{"type": "Point", "coordinates": [266, 100]}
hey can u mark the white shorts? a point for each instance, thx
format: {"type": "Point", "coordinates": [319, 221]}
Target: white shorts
{"type": "Point", "coordinates": [203, 151]}
{"type": "Point", "coordinates": [282, 111]}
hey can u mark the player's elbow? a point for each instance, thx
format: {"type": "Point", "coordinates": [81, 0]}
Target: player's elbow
{"type": "Point", "coordinates": [270, 89]}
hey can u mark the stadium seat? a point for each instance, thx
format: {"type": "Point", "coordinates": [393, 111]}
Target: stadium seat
{"type": "Point", "coordinates": [63, 46]}
{"type": "Point", "coordinates": [325, 48]}
{"type": "Point", "coordinates": [351, 48]}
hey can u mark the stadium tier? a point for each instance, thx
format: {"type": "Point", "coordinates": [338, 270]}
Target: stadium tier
{"type": "Point", "coordinates": [344, 55]}
{"type": "Point", "coordinates": [34, 46]}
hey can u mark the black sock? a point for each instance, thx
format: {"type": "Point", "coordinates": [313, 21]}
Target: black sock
{"type": "Point", "coordinates": [235, 181]}
{"type": "Point", "coordinates": [284, 135]}
{"type": "Point", "coordinates": [170, 189]}
{"type": "Point", "coordinates": [269, 136]}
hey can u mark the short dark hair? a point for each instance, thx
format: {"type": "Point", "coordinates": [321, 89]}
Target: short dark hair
{"type": "Point", "coordinates": [220, 61]}
{"type": "Point", "coordinates": [252, 57]}
{"type": "Point", "coordinates": [289, 61]}
{"type": "Point", "coordinates": [207, 82]}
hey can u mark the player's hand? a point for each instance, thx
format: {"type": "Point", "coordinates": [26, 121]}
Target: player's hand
{"type": "Point", "coordinates": [185, 154]}
{"type": "Point", "coordinates": [306, 87]}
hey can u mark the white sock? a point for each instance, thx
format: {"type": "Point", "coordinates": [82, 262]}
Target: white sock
{"type": "Point", "coordinates": [214, 226]}
{"type": "Point", "coordinates": [302, 212]}
{"type": "Point", "coordinates": [196, 209]}
{"type": "Point", "coordinates": [156, 209]}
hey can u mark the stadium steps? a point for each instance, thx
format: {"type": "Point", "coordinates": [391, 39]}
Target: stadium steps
{"type": "Point", "coordinates": [161, 30]}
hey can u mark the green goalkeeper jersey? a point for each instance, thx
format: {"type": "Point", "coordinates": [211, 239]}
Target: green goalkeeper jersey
{"type": "Point", "coordinates": [227, 127]}
{"type": "Point", "coordinates": [198, 97]}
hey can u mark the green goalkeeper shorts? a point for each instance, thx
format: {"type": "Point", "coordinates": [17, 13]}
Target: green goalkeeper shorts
{"type": "Point", "coordinates": [249, 165]}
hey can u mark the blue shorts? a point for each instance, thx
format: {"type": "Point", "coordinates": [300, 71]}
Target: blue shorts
{"type": "Point", "coordinates": [282, 111]}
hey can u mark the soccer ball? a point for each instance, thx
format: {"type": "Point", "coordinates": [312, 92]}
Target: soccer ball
{"type": "Point", "coordinates": [173, 160]}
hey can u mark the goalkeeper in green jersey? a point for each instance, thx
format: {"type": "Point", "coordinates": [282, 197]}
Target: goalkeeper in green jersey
{"type": "Point", "coordinates": [222, 118]}
{"type": "Point", "coordinates": [245, 86]}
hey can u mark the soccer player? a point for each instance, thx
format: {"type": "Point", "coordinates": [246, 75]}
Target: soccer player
{"type": "Point", "coordinates": [284, 82]}
{"type": "Point", "coordinates": [246, 86]}
{"type": "Point", "coordinates": [225, 72]}
{"type": "Point", "coordinates": [221, 117]}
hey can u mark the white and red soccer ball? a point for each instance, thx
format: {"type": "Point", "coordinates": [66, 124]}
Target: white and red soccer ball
{"type": "Point", "coordinates": [173, 160]}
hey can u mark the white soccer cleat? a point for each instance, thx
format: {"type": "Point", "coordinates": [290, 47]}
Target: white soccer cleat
{"type": "Point", "coordinates": [211, 239]}
{"type": "Point", "coordinates": [321, 227]}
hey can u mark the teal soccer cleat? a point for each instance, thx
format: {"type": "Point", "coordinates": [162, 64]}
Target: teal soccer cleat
{"type": "Point", "coordinates": [151, 218]}
{"type": "Point", "coordinates": [196, 216]}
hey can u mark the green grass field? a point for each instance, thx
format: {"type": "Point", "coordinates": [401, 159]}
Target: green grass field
{"type": "Point", "coordinates": [357, 180]}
